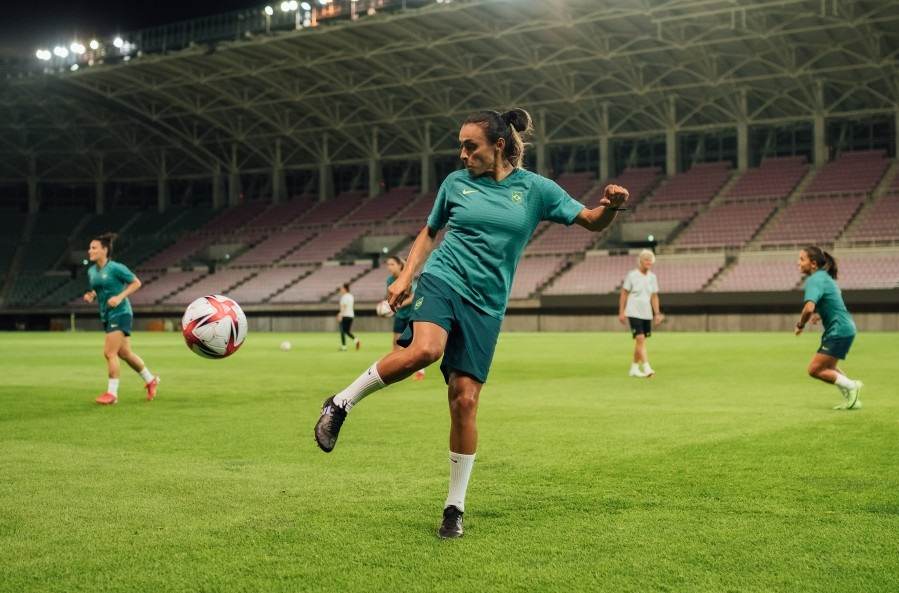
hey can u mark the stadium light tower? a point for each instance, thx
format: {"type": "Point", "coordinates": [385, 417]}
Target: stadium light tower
{"type": "Point", "coordinates": [77, 48]}
{"type": "Point", "coordinates": [43, 54]}
{"type": "Point", "coordinates": [118, 42]}
{"type": "Point", "coordinates": [94, 44]}
{"type": "Point", "coordinates": [285, 6]}
{"type": "Point", "coordinates": [269, 11]}
{"type": "Point", "coordinates": [60, 52]}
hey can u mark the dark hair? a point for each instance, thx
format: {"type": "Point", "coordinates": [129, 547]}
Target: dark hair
{"type": "Point", "coordinates": [513, 126]}
{"type": "Point", "coordinates": [400, 261]}
{"type": "Point", "coordinates": [346, 287]}
{"type": "Point", "coordinates": [106, 240]}
{"type": "Point", "coordinates": [822, 259]}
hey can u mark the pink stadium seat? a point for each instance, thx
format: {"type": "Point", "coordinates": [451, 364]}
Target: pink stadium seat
{"type": "Point", "coordinates": [597, 274]}
{"type": "Point", "coordinates": [281, 215]}
{"type": "Point", "coordinates": [320, 284]}
{"type": "Point", "coordinates": [532, 273]}
{"type": "Point", "coordinates": [218, 283]}
{"type": "Point", "coordinates": [267, 282]}
{"type": "Point", "coordinates": [275, 247]}
{"type": "Point", "coordinates": [851, 172]}
{"type": "Point", "coordinates": [176, 253]}
{"type": "Point", "coordinates": [773, 178]}
{"type": "Point", "coordinates": [675, 211]}
{"type": "Point", "coordinates": [164, 285]}
{"type": "Point", "coordinates": [229, 220]}
{"type": "Point", "coordinates": [384, 207]}
{"type": "Point", "coordinates": [639, 181]}
{"type": "Point", "coordinates": [577, 184]}
{"type": "Point", "coordinates": [698, 185]}
{"type": "Point", "coordinates": [327, 244]}
{"type": "Point", "coordinates": [731, 224]}
{"type": "Point", "coordinates": [812, 220]}
{"type": "Point", "coordinates": [370, 288]}
{"type": "Point", "coordinates": [419, 209]}
{"type": "Point", "coordinates": [865, 271]}
{"type": "Point", "coordinates": [879, 222]}
{"type": "Point", "coordinates": [767, 273]}
{"type": "Point", "coordinates": [331, 211]}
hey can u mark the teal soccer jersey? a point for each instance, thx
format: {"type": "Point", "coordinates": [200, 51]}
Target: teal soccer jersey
{"type": "Point", "coordinates": [109, 281]}
{"type": "Point", "coordinates": [402, 312]}
{"type": "Point", "coordinates": [821, 289]}
{"type": "Point", "coordinates": [488, 224]}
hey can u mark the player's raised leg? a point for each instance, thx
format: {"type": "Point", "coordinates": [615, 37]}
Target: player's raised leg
{"type": "Point", "coordinates": [824, 368]}
{"type": "Point", "coordinates": [428, 343]}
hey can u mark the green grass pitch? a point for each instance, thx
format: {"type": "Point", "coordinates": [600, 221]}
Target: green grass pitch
{"type": "Point", "coordinates": [727, 472]}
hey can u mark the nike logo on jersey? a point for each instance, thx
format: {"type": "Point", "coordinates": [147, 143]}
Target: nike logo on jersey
{"type": "Point", "coordinates": [465, 192]}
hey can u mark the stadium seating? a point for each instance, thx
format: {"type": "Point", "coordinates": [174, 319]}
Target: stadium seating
{"type": "Point", "coordinates": [697, 185]}
{"type": "Point", "coordinates": [679, 274]}
{"type": "Point", "coordinates": [812, 219]}
{"type": "Point", "coordinates": [639, 181]}
{"type": "Point", "coordinates": [30, 288]}
{"type": "Point", "coordinates": [331, 211]}
{"type": "Point", "coordinates": [730, 224]}
{"type": "Point", "coordinates": [419, 209]}
{"type": "Point", "coordinates": [879, 222]}
{"type": "Point", "coordinates": [868, 270]}
{"type": "Point", "coordinates": [267, 282]}
{"type": "Point", "coordinates": [851, 172]}
{"type": "Point", "coordinates": [229, 220]}
{"type": "Point", "coordinates": [558, 238]}
{"type": "Point", "coordinates": [328, 244]}
{"type": "Point", "coordinates": [217, 283]}
{"type": "Point", "coordinates": [598, 273]}
{"type": "Point", "coordinates": [370, 288]}
{"type": "Point", "coordinates": [164, 285]}
{"type": "Point", "coordinates": [384, 207]}
{"type": "Point", "coordinates": [112, 221]}
{"type": "Point", "coordinates": [281, 215]}
{"type": "Point", "coordinates": [775, 177]}
{"type": "Point", "coordinates": [664, 212]}
{"type": "Point", "coordinates": [274, 247]}
{"type": "Point", "coordinates": [534, 272]}
{"type": "Point", "coordinates": [760, 272]}
{"type": "Point", "coordinates": [320, 284]}
{"type": "Point", "coordinates": [176, 253]}
{"type": "Point", "coordinates": [577, 184]}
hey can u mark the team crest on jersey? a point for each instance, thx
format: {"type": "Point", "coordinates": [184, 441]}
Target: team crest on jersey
{"type": "Point", "coordinates": [419, 302]}
{"type": "Point", "coordinates": [517, 196]}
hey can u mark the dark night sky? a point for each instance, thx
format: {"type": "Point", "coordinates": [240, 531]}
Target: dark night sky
{"type": "Point", "coordinates": [27, 25]}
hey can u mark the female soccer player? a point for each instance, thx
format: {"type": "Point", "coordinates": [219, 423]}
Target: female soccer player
{"type": "Point", "coordinates": [639, 307]}
{"type": "Point", "coordinates": [345, 317]}
{"type": "Point", "coordinates": [111, 284]}
{"type": "Point", "coordinates": [395, 265]}
{"type": "Point", "coordinates": [491, 209]}
{"type": "Point", "coordinates": [823, 298]}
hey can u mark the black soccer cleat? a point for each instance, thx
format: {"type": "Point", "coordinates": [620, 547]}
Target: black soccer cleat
{"type": "Point", "coordinates": [328, 426]}
{"type": "Point", "coordinates": [452, 523]}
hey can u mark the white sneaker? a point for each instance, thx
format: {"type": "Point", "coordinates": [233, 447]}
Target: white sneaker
{"type": "Point", "coordinates": [635, 372]}
{"type": "Point", "coordinates": [852, 401]}
{"type": "Point", "coordinates": [648, 372]}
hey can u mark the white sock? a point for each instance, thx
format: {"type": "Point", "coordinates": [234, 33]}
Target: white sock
{"type": "Point", "coordinates": [113, 387]}
{"type": "Point", "coordinates": [460, 472]}
{"type": "Point", "coordinates": [146, 375]}
{"type": "Point", "coordinates": [844, 382]}
{"type": "Point", "coordinates": [367, 383]}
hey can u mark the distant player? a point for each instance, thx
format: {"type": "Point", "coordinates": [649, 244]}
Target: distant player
{"type": "Point", "coordinates": [111, 284]}
{"type": "Point", "coordinates": [395, 265]}
{"type": "Point", "coordinates": [638, 306]}
{"type": "Point", "coordinates": [490, 210]}
{"type": "Point", "coordinates": [823, 298]}
{"type": "Point", "coordinates": [345, 317]}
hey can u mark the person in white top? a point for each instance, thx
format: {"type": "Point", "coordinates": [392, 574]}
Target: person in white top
{"type": "Point", "coordinates": [638, 307]}
{"type": "Point", "coordinates": [345, 317]}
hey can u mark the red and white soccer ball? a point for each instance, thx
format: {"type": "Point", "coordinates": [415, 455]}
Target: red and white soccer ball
{"type": "Point", "coordinates": [214, 326]}
{"type": "Point", "coordinates": [383, 309]}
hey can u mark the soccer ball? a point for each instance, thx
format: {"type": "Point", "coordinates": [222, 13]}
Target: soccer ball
{"type": "Point", "coordinates": [214, 326]}
{"type": "Point", "coordinates": [285, 346]}
{"type": "Point", "coordinates": [383, 309]}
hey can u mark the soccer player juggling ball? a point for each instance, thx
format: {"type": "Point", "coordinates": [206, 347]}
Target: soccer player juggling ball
{"type": "Point", "coordinates": [490, 210]}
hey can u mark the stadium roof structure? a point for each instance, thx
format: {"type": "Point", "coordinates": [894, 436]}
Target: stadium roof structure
{"type": "Point", "coordinates": [395, 85]}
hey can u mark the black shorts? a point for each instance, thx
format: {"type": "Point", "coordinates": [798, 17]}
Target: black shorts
{"type": "Point", "coordinates": [399, 324]}
{"type": "Point", "coordinates": [640, 326]}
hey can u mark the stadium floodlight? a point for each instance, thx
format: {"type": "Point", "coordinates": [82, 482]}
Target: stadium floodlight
{"type": "Point", "coordinates": [60, 52]}
{"type": "Point", "coordinates": [74, 67]}
{"type": "Point", "coordinates": [293, 4]}
{"type": "Point", "coordinates": [324, 2]}
{"type": "Point", "coordinates": [269, 10]}
{"type": "Point", "coordinates": [94, 44]}
{"type": "Point", "coordinates": [77, 48]}
{"type": "Point", "coordinates": [43, 54]}
{"type": "Point", "coordinates": [306, 6]}
{"type": "Point", "coordinates": [285, 6]}
{"type": "Point", "coordinates": [118, 42]}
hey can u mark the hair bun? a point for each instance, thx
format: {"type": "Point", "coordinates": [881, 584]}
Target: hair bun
{"type": "Point", "coordinates": [519, 119]}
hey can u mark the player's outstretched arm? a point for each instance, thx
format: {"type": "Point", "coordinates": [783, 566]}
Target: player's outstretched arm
{"type": "Point", "coordinates": [596, 219]}
{"type": "Point", "coordinates": [807, 311]}
{"type": "Point", "coordinates": [400, 290]}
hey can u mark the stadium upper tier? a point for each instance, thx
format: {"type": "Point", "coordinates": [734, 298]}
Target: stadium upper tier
{"type": "Point", "coordinates": [299, 251]}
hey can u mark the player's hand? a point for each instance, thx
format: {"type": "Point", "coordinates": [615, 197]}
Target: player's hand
{"type": "Point", "coordinates": [89, 296]}
{"type": "Point", "coordinates": [614, 196]}
{"type": "Point", "coordinates": [398, 292]}
{"type": "Point", "coordinates": [339, 317]}
{"type": "Point", "coordinates": [798, 329]}
{"type": "Point", "coordinates": [114, 301]}
{"type": "Point", "coordinates": [658, 319]}
{"type": "Point", "coordinates": [622, 318]}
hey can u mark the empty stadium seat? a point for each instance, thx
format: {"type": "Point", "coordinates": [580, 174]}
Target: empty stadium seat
{"type": "Point", "coordinates": [534, 272]}
{"type": "Point", "coordinates": [878, 222]}
{"type": "Point", "coordinates": [851, 172]}
{"type": "Point", "coordinates": [320, 284]}
{"type": "Point", "coordinates": [218, 283]}
{"type": "Point", "coordinates": [731, 224]}
{"type": "Point", "coordinates": [812, 219]}
{"type": "Point", "coordinates": [326, 245]}
{"type": "Point", "coordinates": [697, 185]}
{"type": "Point", "coordinates": [155, 290]}
{"type": "Point", "coordinates": [267, 282]}
{"type": "Point", "coordinates": [775, 177]}
{"type": "Point", "coordinates": [761, 272]}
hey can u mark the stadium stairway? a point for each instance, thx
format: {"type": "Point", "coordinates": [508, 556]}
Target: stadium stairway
{"type": "Point", "coordinates": [798, 191]}
{"type": "Point", "coordinates": [716, 200]}
{"type": "Point", "coordinates": [310, 270]}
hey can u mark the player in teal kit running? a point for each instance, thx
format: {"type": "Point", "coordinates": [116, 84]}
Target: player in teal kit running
{"type": "Point", "coordinates": [111, 284]}
{"type": "Point", "coordinates": [402, 314]}
{"type": "Point", "coordinates": [490, 211]}
{"type": "Point", "coordinates": [823, 298]}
